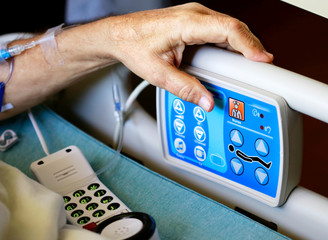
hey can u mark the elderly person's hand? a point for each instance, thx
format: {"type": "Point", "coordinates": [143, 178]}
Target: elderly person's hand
{"type": "Point", "coordinates": [151, 44]}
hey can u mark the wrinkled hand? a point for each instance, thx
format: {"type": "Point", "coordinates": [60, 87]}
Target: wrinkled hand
{"type": "Point", "coordinates": [151, 44]}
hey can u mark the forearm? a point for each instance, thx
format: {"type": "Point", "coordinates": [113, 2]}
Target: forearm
{"type": "Point", "coordinates": [81, 49]}
{"type": "Point", "coordinates": [149, 43]}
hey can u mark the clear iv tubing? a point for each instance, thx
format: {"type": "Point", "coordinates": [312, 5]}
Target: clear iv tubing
{"type": "Point", "coordinates": [38, 132]}
{"type": "Point", "coordinates": [133, 96]}
{"type": "Point", "coordinates": [119, 126]}
{"type": "Point", "coordinates": [119, 114]}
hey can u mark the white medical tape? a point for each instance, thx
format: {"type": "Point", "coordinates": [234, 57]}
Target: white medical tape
{"type": "Point", "coordinates": [49, 47]}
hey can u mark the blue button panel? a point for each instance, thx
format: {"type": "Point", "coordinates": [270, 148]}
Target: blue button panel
{"type": "Point", "coordinates": [238, 140]}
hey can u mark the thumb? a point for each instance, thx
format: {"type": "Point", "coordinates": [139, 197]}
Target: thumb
{"type": "Point", "coordinates": [186, 87]}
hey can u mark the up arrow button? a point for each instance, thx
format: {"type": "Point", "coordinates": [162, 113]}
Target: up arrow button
{"type": "Point", "coordinates": [236, 138]}
{"type": "Point", "coordinates": [178, 106]}
{"type": "Point", "coordinates": [262, 147]}
{"type": "Point", "coordinates": [199, 114]}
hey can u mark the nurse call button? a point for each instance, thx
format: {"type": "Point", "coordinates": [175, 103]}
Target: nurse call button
{"type": "Point", "coordinates": [236, 109]}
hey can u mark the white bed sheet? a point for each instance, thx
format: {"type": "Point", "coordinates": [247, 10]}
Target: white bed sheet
{"type": "Point", "coordinates": [29, 211]}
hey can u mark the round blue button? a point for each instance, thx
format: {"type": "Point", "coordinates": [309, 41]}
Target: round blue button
{"type": "Point", "coordinates": [236, 138]}
{"type": "Point", "coordinates": [179, 126]}
{"type": "Point", "coordinates": [178, 106]}
{"type": "Point", "coordinates": [200, 153]}
{"type": "Point", "coordinates": [199, 114]}
{"type": "Point", "coordinates": [261, 176]}
{"type": "Point", "coordinates": [199, 134]}
{"type": "Point", "coordinates": [262, 147]}
{"type": "Point", "coordinates": [179, 145]}
{"type": "Point", "coordinates": [237, 166]}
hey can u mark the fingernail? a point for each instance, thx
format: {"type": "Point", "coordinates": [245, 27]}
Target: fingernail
{"type": "Point", "coordinates": [268, 54]}
{"type": "Point", "coordinates": [204, 103]}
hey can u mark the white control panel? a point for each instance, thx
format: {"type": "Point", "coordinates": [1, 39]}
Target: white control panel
{"type": "Point", "coordinates": [247, 142]}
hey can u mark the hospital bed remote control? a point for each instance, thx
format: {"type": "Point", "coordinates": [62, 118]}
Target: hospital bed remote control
{"type": "Point", "coordinates": [251, 141]}
{"type": "Point", "coordinates": [87, 200]}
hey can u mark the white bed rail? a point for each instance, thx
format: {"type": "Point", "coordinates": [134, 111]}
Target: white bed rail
{"type": "Point", "coordinates": [305, 214]}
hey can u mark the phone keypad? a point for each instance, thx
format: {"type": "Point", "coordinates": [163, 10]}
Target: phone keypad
{"type": "Point", "coordinates": [92, 203]}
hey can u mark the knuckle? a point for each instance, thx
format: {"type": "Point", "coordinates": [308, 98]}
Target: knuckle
{"type": "Point", "coordinates": [192, 14]}
{"type": "Point", "coordinates": [187, 93]}
{"type": "Point", "coordinates": [235, 24]}
{"type": "Point", "coordinates": [194, 5]}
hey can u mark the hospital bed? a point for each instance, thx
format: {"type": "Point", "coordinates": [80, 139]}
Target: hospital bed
{"type": "Point", "coordinates": [179, 212]}
{"type": "Point", "coordinates": [89, 105]}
